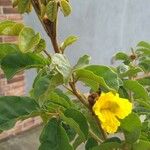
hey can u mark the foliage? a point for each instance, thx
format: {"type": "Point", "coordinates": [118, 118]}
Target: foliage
{"type": "Point", "coordinates": [69, 121]}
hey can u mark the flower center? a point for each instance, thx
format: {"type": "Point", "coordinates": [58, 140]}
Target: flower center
{"type": "Point", "coordinates": [110, 106]}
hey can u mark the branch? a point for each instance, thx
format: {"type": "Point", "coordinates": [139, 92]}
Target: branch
{"type": "Point", "coordinates": [49, 27]}
{"type": "Point", "coordinates": [78, 94]}
{"type": "Point", "coordinates": [143, 76]}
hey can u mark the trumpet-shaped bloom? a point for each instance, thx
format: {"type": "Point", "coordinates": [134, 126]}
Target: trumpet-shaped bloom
{"type": "Point", "coordinates": [109, 108]}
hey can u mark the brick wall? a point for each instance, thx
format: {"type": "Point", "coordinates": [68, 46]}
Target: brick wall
{"type": "Point", "coordinates": [15, 86]}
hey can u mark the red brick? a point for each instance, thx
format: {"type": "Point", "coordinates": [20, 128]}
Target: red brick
{"type": "Point", "coordinates": [5, 2]}
{"type": "Point", "coordinates": [10, 10]}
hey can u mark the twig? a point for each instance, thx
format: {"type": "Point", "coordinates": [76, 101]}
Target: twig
{"type": "Point", "coordinates": [48, 55]}
{"type": "Point", "coordinates": [78, 94]}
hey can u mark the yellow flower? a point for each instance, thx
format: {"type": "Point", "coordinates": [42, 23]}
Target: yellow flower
{"type": "Point", "coordinates": [109, 108]}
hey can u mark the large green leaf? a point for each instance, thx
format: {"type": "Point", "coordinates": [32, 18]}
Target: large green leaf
{"type": "Point", "coordinates": [13, 108]}
{"type": "Point", "coordinates": [44, 85]}
{"type": "Point", "coordinates": [65, 7]}
{"type": "Point", "coordinates": [99, 76]}
{"type": "Point", "coordinates": [15, 62]}
{"type": "Point", "coordinates": [79, 118]}
{"type": "Point", "coordinates": [9, 27]}
{"type": "Point", "coordinates": [59, 98]}
{"type": "Point", "coordinates": [7, 48]}
{"type": "Point", "coordinates": [141, 145]}
{"type": "Point", "coordinates": [28, 40]}
{"type": "Point", "coordinates": [131, 130]}
{"type": "Point", "coordinates": [51, 10]}
{"type": "Point", "coordinates": [137, 89]}
{"type": "Point", "coordinates": [54, 137]}
{"type": "Point", "coordinates": [107, 74]}
{"type": "Point", "coordinates": [62, 65]}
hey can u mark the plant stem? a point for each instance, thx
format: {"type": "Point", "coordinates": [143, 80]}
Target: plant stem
{"type": "Point", "coordinates": [49, 27]}
{"type": "Point", "coordinates": [102, 131]}
{"type": "Point", "coordinates": [95, 137]}
{"type": "Point", "coordinates": [78, 94]}
{"type": "Point", "coordinates": [48, 55]}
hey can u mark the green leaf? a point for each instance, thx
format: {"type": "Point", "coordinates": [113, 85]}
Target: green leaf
{"type": "Point", "coordinates": [13, 108]}
{"type": "Point", "coordinates": [54, 137]}
{"type": "Point", "coordinates": [43, 10]}
{"type": "Point", "coordinates": [79, 118]}
{"type": "Point", "coordinates": [73, 124]}
{"type": "Point", "coordinates": [91, 80]}
{"type": "Point", "coordinates": [107, 74]}
{"type": "Point", "coordinates": [62, 65]}
{"type": "Point", "coordinates": [65, 7]}
{"type": "Point", "coordinates": [94, 127]}
{"type": "Point", "coordinates": [145, 65]}
{"type": "Point", "coordinates": [144, 44]}
{"type": "Point", "coordinates": [59, 98]}
{"type": "Point", "coordinates": [40, 86]}
{"type": "Point", "coordinates": [40, 47]}
{"type": "Point", "coordinates": [7, 48]}
{"type": "Point", "coordinates": [68, 41]}
{"type": "Point", "coordinates": [141, 145]}
{"type": "Point", "coordinates": [99, 76]}
{"type": "Point", "coordinates": [132, 72]}
{"type": "Point", "coordinates": [131, 130]}
{"type": "Point", "coordinates": [143, 52]}
{"type": "Point", "coordinates": [91, 142]}
{"type": "Point", "coordinates": [107, 146]}
{"type": "Point", "coordinates": [82, 62]}
{"type": "Point", "coordinates": [45, 85]}
{"type": "Point", "coordinates": [24, 6]}
{"type": "Point", "coordinates": [137, 89]}
{"type": "Point", "coordinates": [144, 81]}
{"type": "Point", "coordinates": [122, 56]}
{"type": "Point", "coordinates": [15, 62]}
{"type": "Point", "coordinates": [51, 10]}
{"type": "Point", "coordinates": [70, 131]}
{"type": "Point", "coordinates": [11, 28]}
{"type": "Point", "coordinates": [28, 40]}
